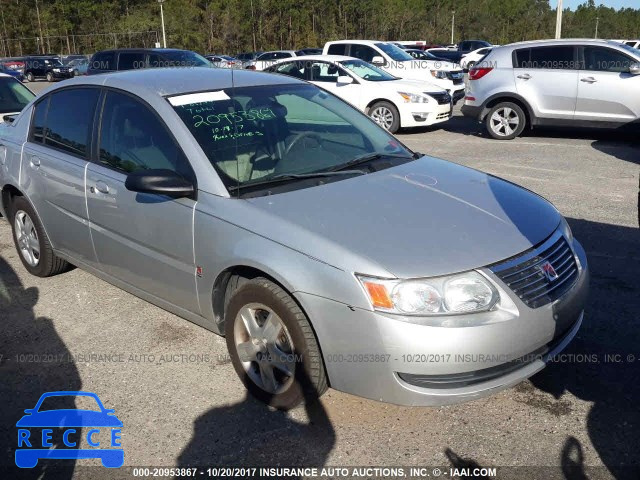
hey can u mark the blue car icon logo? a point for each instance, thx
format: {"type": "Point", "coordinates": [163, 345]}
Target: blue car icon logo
{"type": "Point", "coordinates": [31, 448]}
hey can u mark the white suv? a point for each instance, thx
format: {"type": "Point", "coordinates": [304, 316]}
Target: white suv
{"type": "Point", "coordinates": [554, 82]}
{"type": "Point", "coordinates": [392, 59]}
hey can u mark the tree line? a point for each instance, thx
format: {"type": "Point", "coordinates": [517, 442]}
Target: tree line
{"type": "Point", "coordinates": [231, 26]}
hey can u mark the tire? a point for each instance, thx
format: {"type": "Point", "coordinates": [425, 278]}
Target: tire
{"type": "Point", "coordinates": [29, 76]}
{"type": "Point", "coordinates": [386, 115]}
{"type": "Point", "coordinates": [45, 263]}
{"type": "Point", "coordinates": [505, 121]}
{"type": "Point", "coordinates": [293, 345]}
{"type": "Point", "coordinates": [49, 77]}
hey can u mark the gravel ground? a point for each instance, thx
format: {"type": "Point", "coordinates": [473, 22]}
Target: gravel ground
{"type": "Point", "coordinates": [573, 415]}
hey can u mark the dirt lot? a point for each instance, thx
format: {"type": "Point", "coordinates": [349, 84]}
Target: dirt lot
{"type": "Point", "coordinates": [582, 412]}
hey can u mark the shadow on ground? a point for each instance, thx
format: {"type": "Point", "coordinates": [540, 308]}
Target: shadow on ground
{"type": "Point", "coordinates": [30, 365]}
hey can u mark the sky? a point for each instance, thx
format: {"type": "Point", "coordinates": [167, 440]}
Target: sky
{"type": "Point", "coordinates": [572, 4]}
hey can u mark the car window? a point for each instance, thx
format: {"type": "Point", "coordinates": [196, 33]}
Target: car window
{"type": "Point", "coordinates": [181, 58]}
{"type": "Point", "coordinates": [293, 69]}
{"type": "Point", "coordinates": [363, 52]}
{"type": "Point", "coordinates": [104, 61]}
{"type": "Point", "coordinates": [278, 55]}
{"type": "Point", "coordinates": [324, 72]}
{"type": "Point", "coordinates": [38, 120]}
{"type": "Point", "coordinates": [132, 138]}
{"type": "Point", "coordinates": [252, 133]}
{"type": "Point", "coordinates": [131, 60]}
{"type": "Point", "coordinates": [337, 49]}
{"type": "Point", "coordinates": [555, 57]}
{"type": "Point", "coordinates": [69, 120]}
{"type": "Point", "coordinates": [367, 71]}
{"type": "Point", "coordinates": [631, 44]}
{"type": "Point", "coordinates": [394, 52]}
{"type": "Point", "coordinates": [13, 95]}
{"type": "Point", "coordinates": [265, 56]}
{"type": "Point", "coordinates": [603, 59]}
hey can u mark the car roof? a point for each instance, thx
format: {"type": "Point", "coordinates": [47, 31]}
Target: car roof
{"type": "Point", "coordinates": [175, 81]}
{"type": "Point", "coordinates": [563, 41]}
{"type": "Point", "coordinates": [158, 50]}
{"type": "Point", "coordinates": [367, 42]}
{"type": "Point", "coordinates": [315, 58]}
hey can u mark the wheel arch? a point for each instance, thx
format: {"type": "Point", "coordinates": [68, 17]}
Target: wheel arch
{"type": "Point", "coordinates": [509, 97]}
{"type": "Point", "coordinates": [9, 192]}
{"type": "Point", "coordinates": [376, 100]}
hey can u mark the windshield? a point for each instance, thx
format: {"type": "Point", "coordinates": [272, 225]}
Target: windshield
{"type": "Point", "coordinates": [367, 71]}
{"type": "Point", "coordinates": [184, 59]}
{"type": "Point", "coordinates": [13, 95]}
{"type": "Point", "coordinates": [252, 134]}
{"type": "Point", "coordinates": [631, 49]}
{"type": "Point", "coordinates": [394, 52]}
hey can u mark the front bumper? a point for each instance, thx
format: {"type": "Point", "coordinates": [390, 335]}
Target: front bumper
{"type": "Point", "coordinates": [423, 114]}
{"type": "Point", "coordinates": [402, 360]}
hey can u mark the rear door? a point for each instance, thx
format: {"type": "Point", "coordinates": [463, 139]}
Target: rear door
{"type": "Point", "coordinates": [53, 168]}
{"type": "Point", "coordinates": [144, 240]}
{"type": "Point", "coordinates": [606, 89]}
{"type": "Point", "coordinates": [547, 78]}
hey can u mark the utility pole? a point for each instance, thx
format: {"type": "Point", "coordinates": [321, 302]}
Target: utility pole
{"type": "Point", "coordinates": [164, 36]}
{"type": "Point", "coordinates": [597, 21]}
{"type": "Point", "coordinates": [559, 20]}
{"type": "Point", "coordinates": [453, 23]}
{"type": "Point", "coordinates": [40, 28]}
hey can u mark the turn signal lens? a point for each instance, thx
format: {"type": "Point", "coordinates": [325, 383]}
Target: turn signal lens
{"type": "Point", "coordinates": [378, 295]}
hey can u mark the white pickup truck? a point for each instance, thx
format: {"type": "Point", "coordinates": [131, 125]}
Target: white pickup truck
{"type": "Point", "coordinates": [397, 62]}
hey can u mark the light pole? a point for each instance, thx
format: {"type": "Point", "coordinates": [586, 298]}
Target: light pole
{"type": "Point", "coordinates": [453, 22]}
{"type": "Point", "coordinates": [164, 37]}
{"type": "Point", "coordinates": [559, 20]}
{"type": "Point", "coordinates": [597, 21]}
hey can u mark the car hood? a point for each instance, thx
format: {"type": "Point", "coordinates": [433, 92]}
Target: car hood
{"type": "Point", "coordinates": [414, 86]}
{"type": "Point", "coordinates": [428, 217]}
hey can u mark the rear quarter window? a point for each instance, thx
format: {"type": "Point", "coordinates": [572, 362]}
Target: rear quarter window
{"type": "Point", "coordinates": [337, 49]}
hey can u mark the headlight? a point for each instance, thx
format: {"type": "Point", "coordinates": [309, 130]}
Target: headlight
{"type": "Point", "coordinates": [56, 69]}
{"type": "Point", "coordinates": [461, 293]}
{"type": "Point", "coordinates": [413, 98]}
{"type": "Point", "coordinates": [439, 74]}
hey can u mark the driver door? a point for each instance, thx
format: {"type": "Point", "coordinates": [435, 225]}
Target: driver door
{"type": "Point", "coordinates": [144, 240]}
{"type": "Point", "coordinates": [325, 75]}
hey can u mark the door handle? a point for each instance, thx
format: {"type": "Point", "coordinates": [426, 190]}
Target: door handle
{"type": "Point", "coordinates": [524, 76]}
{"type": "Point", "coordinates": [102, 187]}
{"type": "Point", "coordinates": [35, 161]}
{"type": "Point", "coordinates": [588, 80]}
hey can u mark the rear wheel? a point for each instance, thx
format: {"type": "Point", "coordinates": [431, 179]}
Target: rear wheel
{"type": "Point", "coordinates": [505, 121]}
{"type": "Point", "coordinates": [386, 115]}
{"type": "Point", "coordinates": [30, 77]}
{"type": "Point", "coordinates": [272, 346]}
{"type": "Point", "coordinates": [32, 243]}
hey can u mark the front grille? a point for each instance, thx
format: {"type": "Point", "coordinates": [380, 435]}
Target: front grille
{"type": "Point", "coordinates": [528, 279]}
{"type": "Point", "coordinates": [441, 97]}
{"type": "Point", "coordinates": [440, 116]}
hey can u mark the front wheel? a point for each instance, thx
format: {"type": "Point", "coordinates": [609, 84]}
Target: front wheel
{"type": "Point", "coordinates": [272, 345]}
{"type": "Point", "coordinates": [49, 77]}
{"type": "Point", "coordinates": [386, 115]}
{"type": "Point", "coordinates": [505, 121]}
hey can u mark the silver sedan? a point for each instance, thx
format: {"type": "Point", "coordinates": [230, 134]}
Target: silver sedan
{"type": "Point", "coordinates": [270, 211]}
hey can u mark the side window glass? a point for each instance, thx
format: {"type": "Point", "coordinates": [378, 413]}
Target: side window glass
{"type": "Point", "coordinates": [103, 61]}
{"type": "Point", "coordinates": [39, 121]}
{"type": "Point", "coordinates": [605, 60]}
{"type": "Point", "coordinates": [293, 69]}
{"type": "Point", "coordinates": [132, 138]}
{"type": "Point", "coordinates": [363, 52]}
{"type": "Point", "coordinates": [131, 61]}
{"type": "Point", "coordinates": [324, 72]}
{"type": "Point", "coordinates": [337, 49]}
{"type": "Point", "coordinates": [556, 58]}
{"type": "Point", "coordinates": [70, 119]}
{"type": "Point", "coordinates": [521, 58]}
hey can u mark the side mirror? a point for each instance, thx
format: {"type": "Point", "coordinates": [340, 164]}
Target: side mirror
{"type": "Point", "coordinates": [378, 60]}
{"type": "Point", "coordinates": [161, 182]}
{"type": "Point", "coordinates": [634, 69]}
{"type": "Point", "coordinates": [344, 80]}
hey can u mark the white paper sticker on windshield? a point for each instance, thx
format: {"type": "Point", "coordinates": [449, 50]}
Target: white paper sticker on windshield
{"type": "Point", "coordinates": [192, 98]}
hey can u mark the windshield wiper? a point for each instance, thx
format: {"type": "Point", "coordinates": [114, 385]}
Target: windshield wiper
{"type": "Point", "coordinates": [284, 177]}
{"type": "Point", "coordinates": [364, 159]}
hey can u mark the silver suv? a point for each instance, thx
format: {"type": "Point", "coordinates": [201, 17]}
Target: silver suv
{"type": "Point", "coordinates": [554, 82]}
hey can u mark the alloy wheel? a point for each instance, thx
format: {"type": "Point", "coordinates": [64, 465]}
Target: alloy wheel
{"type": "Point", "coordinates": [265, 348]}
{"type": "Point", "coordinates": [504, 121]}
{"type": "Point", "coordinates": [383, 117]}
{"type": "Point", "coordinates": [27, 238]}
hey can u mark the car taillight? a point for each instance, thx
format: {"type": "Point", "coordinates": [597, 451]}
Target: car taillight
{"type": "Point", "coordinates": [477, 73]}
